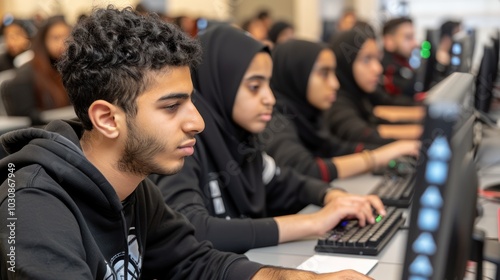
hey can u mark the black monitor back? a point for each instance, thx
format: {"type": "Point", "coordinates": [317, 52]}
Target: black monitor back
{"type": "Point", "coordinates": [456, 88]}
{"type": "Point", "coordinates": [485, 79]}
{"type": "Point", "coordinates": [496, 43]}
{"type": "Point", "coordinates": [444, 204]}
{"type": "Point", "coordinates": [461, 53]}
{"type": "Point", "coordinates": [424, 75]}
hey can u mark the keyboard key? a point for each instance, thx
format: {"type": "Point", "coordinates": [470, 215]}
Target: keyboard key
{"type": "Point", "coordinates": [396, 190]}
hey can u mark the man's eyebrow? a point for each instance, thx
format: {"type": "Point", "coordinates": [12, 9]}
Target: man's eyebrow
{"type": "Point", "coordinates": [176, 95]}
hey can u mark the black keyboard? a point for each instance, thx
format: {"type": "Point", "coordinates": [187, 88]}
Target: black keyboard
{"type": "Point", "coordinates": [396, 189]}
{"type": "Point", "coordinates": [349, 238]}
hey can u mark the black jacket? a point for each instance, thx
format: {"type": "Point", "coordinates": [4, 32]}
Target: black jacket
{"type": "Point", "coordinates": [282, 141]}
{"type": "Point", "coordinates": [68, 222]}
{"type": "Point", "coordinates": [399, 77]}
{"type": "Point", "coordinates": [351, 118]}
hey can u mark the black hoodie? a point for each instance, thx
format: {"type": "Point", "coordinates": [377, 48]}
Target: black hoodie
{"type": "Point", "coordinates": [228, 180]}
{"type": "Point", "coordinates": [351, 115]}
{"type": "Point", "coordinates": [66, 221]}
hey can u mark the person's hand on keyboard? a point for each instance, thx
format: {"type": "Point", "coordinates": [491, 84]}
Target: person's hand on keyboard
{"type": "Point", "coordinates": [340, 205]}
{"type": "Point", "coordinates": [384, 154]}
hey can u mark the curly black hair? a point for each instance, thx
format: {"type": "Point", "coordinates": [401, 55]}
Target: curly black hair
{"type": "Point", "coordinates": [111, 53]}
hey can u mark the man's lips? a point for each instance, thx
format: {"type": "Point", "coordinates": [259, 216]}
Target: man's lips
{"type": "Point", "coordinates": [188, 147]}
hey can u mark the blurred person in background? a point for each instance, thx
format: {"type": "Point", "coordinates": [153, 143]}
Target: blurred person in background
{"type": "Point", "coordinates": [443, 56]}
{"type": "Point", "coordinates": [187, 24]}
{"type": "Point", "coordinates": [17, 34]}
{"type": "Point", "coordinates": [37, 86]}
{"type": "Point", "coordinates": [399, 43]}
{"type": "Point", "coordinates": [48, 47]}
{"type": "Point", "coordinates": [280, 32]}
{"type": "Point", "coordinates": [256, 28]}
{"type": "Point", "coordinates": [352, 116]}
{"type": "Point", "coordinates": [347, 20]}
{"type": "Point", "coordinates": [265, 16]}
{"type": "Point", "coordinates": [305, 86]}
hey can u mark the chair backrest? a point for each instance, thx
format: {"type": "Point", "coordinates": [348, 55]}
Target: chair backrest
{"type": "Point", "coordinates": [5, 76]}
{"type": "Point", "coordinates": [18, 93]}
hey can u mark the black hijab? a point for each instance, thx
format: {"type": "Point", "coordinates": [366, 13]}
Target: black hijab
{"type": "Point", "coordinates": [276, 30]}
{"type": "Point", "coordinates": [227, 53]}
{"type": "Point", "coordinates": [292, 65]}
{"type": "Point", "coordinates": [346, 47]}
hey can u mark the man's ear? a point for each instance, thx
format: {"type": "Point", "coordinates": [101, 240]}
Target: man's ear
{"type": "Point", "coordinates": [106, 118]}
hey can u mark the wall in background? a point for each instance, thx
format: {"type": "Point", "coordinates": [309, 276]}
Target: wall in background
{"type": "Point", "coordinates": [308, 19]}
{"type": "Point", "coordinates": [280, 9]}
{"type": "Point", "coordinates": [70, 8]}
{"type": "Point", "coordinates": [212, 9]}
{"type": "Point", "coordinates": [306, 15]}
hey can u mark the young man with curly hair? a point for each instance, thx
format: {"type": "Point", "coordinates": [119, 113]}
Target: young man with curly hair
{"type": "Point", "coordinates": [75, 202]}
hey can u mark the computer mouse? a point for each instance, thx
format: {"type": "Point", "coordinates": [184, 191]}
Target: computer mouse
{"type": "Point", "coordinates": [399, 166]}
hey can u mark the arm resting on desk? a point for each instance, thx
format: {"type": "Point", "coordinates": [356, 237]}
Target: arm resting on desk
{"type": "Point", "coordinates": [400, 113]}
{"type": "Point", "coordinates": [403, 132]}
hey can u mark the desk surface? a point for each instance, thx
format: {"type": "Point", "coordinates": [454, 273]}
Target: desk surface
{"type": "Point", "coordinates": [391, 258]}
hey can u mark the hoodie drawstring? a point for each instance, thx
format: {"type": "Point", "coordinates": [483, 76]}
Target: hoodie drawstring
{"type": "Point", "coordinates": [125, 230]}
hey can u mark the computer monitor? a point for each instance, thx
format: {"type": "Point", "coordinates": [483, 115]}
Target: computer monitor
{"type": "Point", "coordinates": [444, 204]}
{"type": "Point", "coordinates": [485, 79]}
{"type": "Point", "coordinates": [461, 52]}
{"type": "Point", "coordinates": [458, 89]}
{"type": "Point", "coordinates": [424, 75]}
{"type": "Point", "coordinates": [496, 43]}
{"type": "Point", "coordinates": [471, 32]}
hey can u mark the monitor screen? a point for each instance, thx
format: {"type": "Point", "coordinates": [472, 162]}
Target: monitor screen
{"type": "Point", "coordinates": [444, 204]}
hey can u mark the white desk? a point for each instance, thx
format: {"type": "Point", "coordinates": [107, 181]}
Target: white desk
{"type": "Point", "coordinates": [391, 258]}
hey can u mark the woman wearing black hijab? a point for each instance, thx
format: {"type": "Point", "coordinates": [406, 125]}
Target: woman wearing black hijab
{"type": "Point", "coordinates": [358, 69]}
{"type": "Point", "coordinates": [229, 189]}
{"type": "Point", "coordinates": [16, 34]}
{"type": "Point", "coordinates": [280, 32]}
{"type": "Point", "coordinates": [305, 86]}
